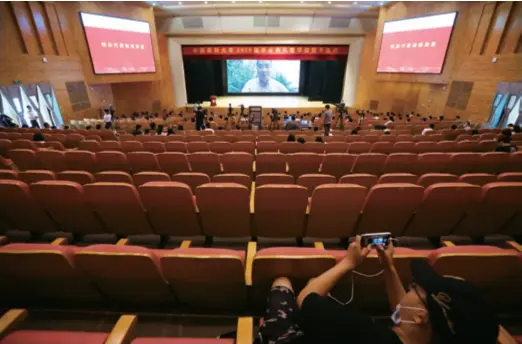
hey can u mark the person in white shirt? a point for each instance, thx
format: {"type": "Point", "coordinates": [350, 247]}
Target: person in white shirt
{"type": "Point", "coordinates": [263, 83]}
{"type": "Point", "coordinates": [427, 130]}
{"type": "Point", "coordinates": [467, 125]}
{"type": "Point", "coordinates": [107, 118]}
{"type": "Point", "coordinates": [33, 117]}
{"type": "Point", "coordinates": [207, 128]}
{"type": "Point", "coordinates": [390, 121]}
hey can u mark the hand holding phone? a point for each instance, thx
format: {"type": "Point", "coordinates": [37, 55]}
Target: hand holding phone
{"type": "Point", "coordinates": [376, 239]}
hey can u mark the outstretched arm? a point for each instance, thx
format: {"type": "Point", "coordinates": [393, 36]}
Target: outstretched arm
{"type": "Point", "coordinates": [394, 287]}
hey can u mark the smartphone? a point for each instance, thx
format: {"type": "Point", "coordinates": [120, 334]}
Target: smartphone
{"type": "Point", "coordinates": [375, 239]}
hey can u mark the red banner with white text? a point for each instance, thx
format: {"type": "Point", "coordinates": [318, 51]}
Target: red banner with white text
{"type": "Point", "coordinates": [266, 52]}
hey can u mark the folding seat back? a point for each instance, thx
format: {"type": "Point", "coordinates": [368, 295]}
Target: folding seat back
{"type": "Point", "coordinates": [238, 162]}
{"type": "Point", "coordinates": [198, 146]}
{"type": "Point", "coordinates": [205, 162]}
{"type": "Point", "coordinates": [280, 211]}
{"type": "Point", "coordinates": [516, 162]}
{"type": "Point", "coordinates": [171, 208]}
{"type": "Point", "coordinates": [14, 136]}
{"type": "Point", "coordinates": [446, 147]}
{"type": "Point", "coordinates": [392, 178]}
{"type": "Point", "coordinates": [112, 161]}
{"type": "Point", "coordinates": [176, 138]}
{"type": "Point", "coordinates": [404, 138]}
{"type": "Point", "coordinates": [314, 147]}
{"type": "Point", "coordinates": [280, 138]}
{"type": "Point", "coordinates": [304, 163]}
{"type": "Point", "coordinates": [479, 179]}
{"type": "Point", "coordinates": [494, 162]}
{"type": "Point", "coordinates": [431, 163]}
{"type": "Point", "coordinates": [267, 146]}
{"type": "Point", "coordinates": [274, 178]}
{"type": "Point", "coordinates": [8, 174]}
{"type": "Point", "coordinates": [270, 163]}
{"type": "Point", "coordinates": [5, 146]}
{"type": "Point", "coordinates": [143, 161]}
{"type": "Point", "coordinates": [221, 147]}
{"type": "Point", "coordinates": [237, 178]}
{"type": "Point", "coordinates": [329, 203]}
{"type": "Point", "coordinates": [231, 138]}
{"type": "Point", "coordinates": [496, 272]}
{"type": "Point", "coordinates": [499, 202]}
{"type": "Point", "coordinates": [44, 275]}
{"type": "Point", "coordinates": [312, 181]}
{"type": "Point", "coordinates": [371, 138]}
{"type": "Point", "coordinates": [466, 146]}
{"type": "Point", "coordinates": [290, 147]}
{"type": "Point", "coordinates": [425, 147]}
{"type": "Point", "coordinates": [388, 208]}
{"type": "Point", "coordinates": [206, 278]}
{"type": "Point", "coordinates": [34, 176]}
{"type": "Point", "coordinates": [244, 146]}
{"type": "Point", "coordinates": [336, 147]}
{"type": "Point", "coordinates": [362, 179]}
{"type": "Point", "coordinates": [371, 163]}
{"type": "Point", "coordinates": [486, 146]}
{"type": "Point", "coordinates": [154, 147]}
{"type": "Point", "coordinates": [25, 159]}
{"type": "Point", "coordinates": [265, 138]}
{"type": "Point", "coordinates": [107, 135]}
{"type": "Point", "coordinates": [211, 138]}
{"type": "Point", "coordinates": [404, 147]}
{"type": "Point", "coordinates": [331, 139]}
{"type": "Point", "coordinates": [172, 163]}
{"type": "Point", "coordinates": [119, 207]}
{"type": "Point", "coordinates": [443, 207]}
{"type": "Point", "coordinates": [400, 163]}
{"type": "Point", "coordinates": [131, 146]}
{"type": "Point", "coordinates": [462, 163]}
{"type": "Point", "coordinates": [80, 177]}
{"type": "Point", "coordinates": [463, 137]}
{"type": "Point", "coordinates": [192, 179]}
{"type": "Point", "coordinates": [510, 177]}
{"type": "Point", "coordinates": [93, 137]}
{"type": "Point", "coordinates": [125, 138]}
{"type": "Point", "coordinates": [173, 146]}
{"type": "Point", "coordinates": [145, 177]}
{"type": "Point", "coordinates": [81, 161]}
{"type": "Point", "coordinates": [433, 178]}
{"type": "Point", "coordinates": [89, 145]}
{"type": "Point", "coordinates": [224, 209]}
{"type": "Point", "coordinates": [113, 177]}
{"type": "Point", "coordinates": [23, 144]}
{"type": "Point", "coordinates": [125, 274]}
{"type": "Point", "coordinates": [360, 147]}
{"type": "Point", "coordinates": [338, 164]}
{"type": "Point", "coordinates": [436, 137]}
{"type": "Point", "coordinates": [52, 160]}
{"type": "Point", "coordinates": [65, 202]}
{"type": "Point", "coordinates": [382, 147]}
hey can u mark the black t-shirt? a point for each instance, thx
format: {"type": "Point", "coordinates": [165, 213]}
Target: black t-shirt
{"type": "Point", "coordinates": [325, 321]}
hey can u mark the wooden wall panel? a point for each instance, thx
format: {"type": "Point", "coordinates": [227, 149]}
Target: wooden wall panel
{"type": "Point", "coordinates": [56, 31]}
{"type": "Point", "coordinates": [514, 29]}
{"type": "Point", "coordinates": [502, 14]}
{"type": "Point", "coordinates": [26, 27]}
{"type": "Point", "coordinates": [483, 29]}
{"type": "Point", "coordinates": [42, 28]}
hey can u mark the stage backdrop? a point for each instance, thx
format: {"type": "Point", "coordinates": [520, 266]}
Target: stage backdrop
{"type": "Point", "coordinates": [321, 72]}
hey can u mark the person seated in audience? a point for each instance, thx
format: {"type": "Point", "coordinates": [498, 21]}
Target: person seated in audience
{"type": "Point", "coordinates": [25, 126]}
{"type": "Point", "coordinates": [159, 130]}
{"type": "Point", "coordinates": [47, 125]}
{"type": "Point", "coordinates": [387, 131]}
{"type": "Point", "coordinates": [207, 127]}
{"type": "Point", "coordinates": [39, 138]}
{"type": "Point", "coordinates": [516, 129]}
{"type": "Point", "coordinates": [152, 126]}
{"type": "Point", "coordinates": [146, 132]}
{"type": "Point", "coordinates": [505, 145]}
{"type": "Point", "coordinates": [431, 127]}
{"type": "Point", "coordinates": [453, 127]}
{"type": "Point", "coordinates": [441, 118]}
{"type": "Point", "coordinates": [180, 128]}
{"type": "Point", "coordinates": [467, 125]}
{"type": "Point", "coordinates": [355, 132]}
{"type": "Point", "coordinates": [433, 309]}
{"type": "Point", "coordinates": [291, 124]}
{"type": "Point", "coordinates": [53, 127]}
{"type": "Point", "coordinates": [137, 130]}
{"type": "Point", "coordinates": [290, 138]}
{"type": "Point", "coordinates": [474, 132]}
{"type": "Point", "coordinates": [170, 131]}
{"type": "Point", "coordinates": [301, 140]}
{"type": "Point", "coordinates": [66, 127]}
{"type": "Point", "coordinates": [98, 126]}
{"type": "Point", "coordinates": [316, 129]}
{"type": "Point", "coordinates": [506, 132]}
{"type": "Point", "coordinates": [389, 122]}
{"type": "Point", "coordinates": [319, 139]}
{"type": "Point", "coordinates": [88, 127]}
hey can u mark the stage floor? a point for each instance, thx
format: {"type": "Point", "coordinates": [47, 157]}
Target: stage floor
{"type": "Point", "coordinates": [266, 102]}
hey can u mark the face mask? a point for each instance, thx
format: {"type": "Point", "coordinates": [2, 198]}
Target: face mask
{"type": "Point", "coordinates": [396, 319]}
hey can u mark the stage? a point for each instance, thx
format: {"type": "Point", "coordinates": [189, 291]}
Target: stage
{"type": "Point", "coordinates": [267, 102]}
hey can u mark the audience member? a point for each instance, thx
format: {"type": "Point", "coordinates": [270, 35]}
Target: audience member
{"type": "Point", "coordinates": [319, 139]}
{"type": "Point", "coordinates": [88, 127]}
{"type": "Point", "coordinates": [291, 124]}
{"type": "Point", "coordinates": [146, 132]}
{"type": "Point", "coordinates": [170, 131]}
{"type": "Point", "coordinates": [137, 130]}
{"type": "Point", "coordinates": [46, 125]}
{"type": "Point", "coordinates": [516, 129]}
{"type": "Point", "coordinates": [467, 125]}
{"type": "Point", "coordinates": [327, 120]}
{"type": "Point", "coordinates": [107, 118]}
{"type": "Point", "coordinates": [431, 127]}
{"type": "Point", "coordinates": [453, 127]}
{"type": "Point", "coordinates": [301, 140]}
{"type": "Point", "coordinates": [290, 138]}
{"type": "Point", "coordinates": [33, 117]}
{"type": "Point", "coordinates": [505, 145]}
{"type": "Point", "coordinates": [180, 128]}
{"type": "Point", "coordinates": [98, 126]}
{"type": "Point", "coordinates": [159, 130]}
{"type": "Point", "coordinates": [38, 137]}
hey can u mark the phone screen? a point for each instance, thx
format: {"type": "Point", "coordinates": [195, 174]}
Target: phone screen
{"type": "Point", "coordinates": [375, 240]}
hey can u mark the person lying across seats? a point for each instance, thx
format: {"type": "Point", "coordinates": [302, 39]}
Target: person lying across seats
{"type": "Point", "coordinates": [433, 310]}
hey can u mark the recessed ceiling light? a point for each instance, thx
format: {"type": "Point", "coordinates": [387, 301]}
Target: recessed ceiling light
{"type": "Point", "coordinates": [329, 2]}
{"type": "Point", "coordinates": [206, 2]}
{"type": "Point", "coordinates": [382, 2]}
{"type": "Point", "coordinates": [179, 3]}
{"type": "Point", "coordinates": [355, 2]}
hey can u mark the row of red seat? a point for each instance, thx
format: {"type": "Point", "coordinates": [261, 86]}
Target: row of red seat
{"type": "Point", "coordinates": [277, 211]}
{"type": "Point", "coordinates": [210, 279]}
{"type": "Point", "coordinates": [336, 164]}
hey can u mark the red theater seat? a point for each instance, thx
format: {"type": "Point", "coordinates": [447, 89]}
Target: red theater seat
{"type": "Point", "coordinates": [338, 164]}
{"type": "Point", "coordinates": [478, 178]}
{"type": "Point", "coordinates": [220, 147]}
{"type": "Point", "coordinates": [311, 181]}
{"type": "Point", "coordinates": [510, 177]}
{"type": "Point", "coordinates": [145, 177]}
{"type": "Point", "coordinates": [174, 146]}
{"type": "Point", "coordinates": [154, 147]}
{"type": "Point", "coordinates": [34, 176]}
{"type": "Point", "coordinates": [336, 147]}
{"type": "Point", "coordinates": [371, 163]}
{"type": "Point", "coordinates": [274, 178]}
{"type": "Point", "coordinates": [432, 163]}
{"type": "Point", "coordinates": [143, 162]}
{"type": "Point", "coordinates": [197, 146]}
{"type": "Point", "coordinates": [8, 174]}
{"type": "Point", "coordinates": [131, 146]}
{"type": "Point", "coordinates": [360, 147]}
{"type": "Point", "coordinates": [89, 145]}
{"type": "Point", "coordinates": [238, 162]}
{"type": "Point", "coordinates": [113, 177]}
{"type": "Point", "coordinates": [362, 179]}
{"type": "Point", "coordinates": [400, 163]}
{"type": "Point", "coordinates": [404, 146]}
{"type": "Point", "coordinates": [304, 163]}
{"type": "Point", "coordinates": [112, 161]}
{"type": "Point", "coordinates": [192, 179]}
{"type": "Point", "coordinates": [289, 147]}
{"type": "Point", "coordinates": [494, 162]}
{"type": "Point", "coordinates": [205, 162]}
{"type": "Point", "coordinates": [81, 161]}
{"type": "Point", "coordinates": [270, 163]}
{"type": "Point", "coordinates": [54, 337]}
{"type": "Point", "coordinates": [237, 178]}
{"type": "Point", "coordinates": [462, 163]}
{"type": "Point", "coordinates": [111, 146]}
{"type": "Point", "coordinates": [80, 177]}
{"type": "Point", "coordinates": [172, 163]}
{"type": "Point", "coordinates": [23, 144]}
{"type": "Point", "coordinates": [52, 160]}
{"type": "Point", "coordinates": [434, 178]}
{"type": "Point", "coordinates": [25, 159]}
{"type": "Point", "coordinates": [397, 178]}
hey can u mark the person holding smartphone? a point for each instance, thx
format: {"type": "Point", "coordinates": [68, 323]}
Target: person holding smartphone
{"type": "Point", "coordinates": [433, 310]}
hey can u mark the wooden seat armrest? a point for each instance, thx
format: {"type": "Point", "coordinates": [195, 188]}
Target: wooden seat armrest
{"type": "Point", "coordinates": [122, 242]}
{"type": "Point", "coordinates": [245, 330]}
{"type": "Point", "coordinates": [515, 245]}
{"type": "Point", "coordinates": [319, 245]}
{"type": "Point", "coordinates": [447, 244]}
{"type": "Point", "coordinates": [60, 241]}
{"type": "Point", "coordinates": [10, 320]}
{"type": "Point", "coordinates": [251, 252]}
{"type": "Point", "coordinates": [504, 337]}
{"type": "Point", "coordinates": [122, 332]}
{"type": "Point", "coordinates": [185, 244]}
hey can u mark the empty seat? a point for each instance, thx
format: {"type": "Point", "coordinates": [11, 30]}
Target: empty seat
{"type": "Point", "coordinates": [81, 161]}
{"type": "Point", "coordinates": [8, 174]}
{"type": "Point", "coordinates": [89, 145]}
{"type": "Point", "coordinates": [113, 177]}
{"type": "Point", "coordinates": [131, 146]}
{"type": "Point", "coordinates": [510, 177]}
{"type": "Point", "coordinates": [431, 163]}
{"type": "Point", "coordinates": [205, 162]}
{"type": "Point", "coordinates": [238, 162]}
{"type": "Point", "coordinates": [143, 161]}
{"type": "Point", "coordinates": [172, 163]}
{"type": "Point", "coordinates": [400, 163]}
{"type": "Point", "coordinates": [80, 177]}
{"type": "Point", "coordinates": [93, 137]}
{"type": "Point", "coordinates": [314, 147]}
{"type": "Point", "coordinates": [311, 181]}
{"type": "Point", "coordinates": [425, 147]}
{"type": "Point", "coordinates": [267, 146]}
{"type": "Point", "coordinates": [270, 163]}
{"type": "Point", "coordinates": [224, 209]}
{"type": "Point", "coordinates": [290, 147]}
{"type": "Point", "coordinates": [328, 203]}
{"type": "Point", "coordinates": [274, 178]}
{"type": "Point", "coordinates": [465, 146]}
{"type": "Point", "coordinates": [192, 179]}
{"type": "Point", "coordinates": [198, 146]}
{"type": "Point", "coordinates": [336, 147]}
{"type": "Point", "coordinates": [362, 179]}
{"type": "Point", "coordinates": [145, 177]}
{"type": "Point", "coordinates": [206, 278]}
{"type": "Point", "coordinates": [154, 147]}
{"type": "Point", "coordinates": [462, 163]}
{"type": "Point", "coordinates": [516, 162]}
{"type": "Point", "coordinates": [486, 146]}
{"type": "Point", "coordinates": [20, 210]}
{"type": "Point", "coordinates": [360, 147]}
{"type": "Point", "coordinates": [434, 178]}
{"type": "Point", "coordinates": [498, 203]}
{"type": "Point", "coordinates": [125, 274]}
{"type": "Point", "coordinates": [371, 163]}
{"type": "Point", "coordinates": [331, 139]}
{"type": "Point", "coordinates": [171, 208]}
{"type": "Point", "coordinates": [25, 159]}
{"type": "Point", "coordinates": [338, 164]}
{"type": "Point", "coordinates": [371, 138]}
{"type": "Point", "coordinates": [50, 267]}
{"type": "Point", "coordinates": [404, 146]}
{"type": "Point", "coordinates": [119, 207]}
{"type": "Point", "coordinates": [238, 178]}
{"type": "Point", "coordinates": [5, 146]}
{"type": "Point", "coordinates": [478, 178]}
{"type": "Point", "coordinates": [173, 146]}
{"type": "Point", "coordinates": [23, 144]}
{"type": "Point", "coordinates": [34, 176]}
{"type": "Point", "coordinates": [280, 211]}
{"type": "Point", "coordinates": [443, 206]}
{"type": "Point", "coordinates": [43, 337]}
{"type": "Point", "coordinates": [111, 145]}
{"type": "Point", "coordinates": [244, 146]}
{"type": "Point", "coordinates": [65, 202]}
{"type": "Point", "coordinates": [389, 207]}
{"type": "Point", "coordinates": [221, 147]}
{"type": "Point", "coordinates": [52, 160]}
{"type": "Point", "coordinates": [446, 147]}
{"type": "Point", "coordinates": [397, 178]}
{"type": "Point", "coordinates": [112, 161]}
{"type": "Point", "coordinates": [494, 162]}
{"type": "Point", "coordinates": [382, 147]}
{"type": "Point", "coordinates": [303, 163]}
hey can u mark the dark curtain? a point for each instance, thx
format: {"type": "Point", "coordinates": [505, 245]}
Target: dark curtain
{"type": "Point", "coordinates": [203, 78]}
{"type": "Point", "coordinates": [323, 80]}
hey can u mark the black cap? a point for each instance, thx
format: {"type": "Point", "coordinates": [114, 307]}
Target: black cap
{"type": "Point", "coordinates": [457, 312]}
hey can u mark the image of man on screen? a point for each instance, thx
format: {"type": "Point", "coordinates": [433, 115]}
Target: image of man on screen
{"type": "Point", "coordinates": [264, 83]}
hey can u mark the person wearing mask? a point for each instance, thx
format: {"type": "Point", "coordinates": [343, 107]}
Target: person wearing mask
{"type": "Point", "coordinates": [290, 138]}
{"type": "Point", "coordinates": [433, 309]}
{"type": "Point", "coordinates": [33, 117]}
{"type": "Point", "coordinates": [291, 124]}
{"type": "Point", "coordinates": [425, 131]}
{"type": "Point", "coordinates": [327, 121]}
